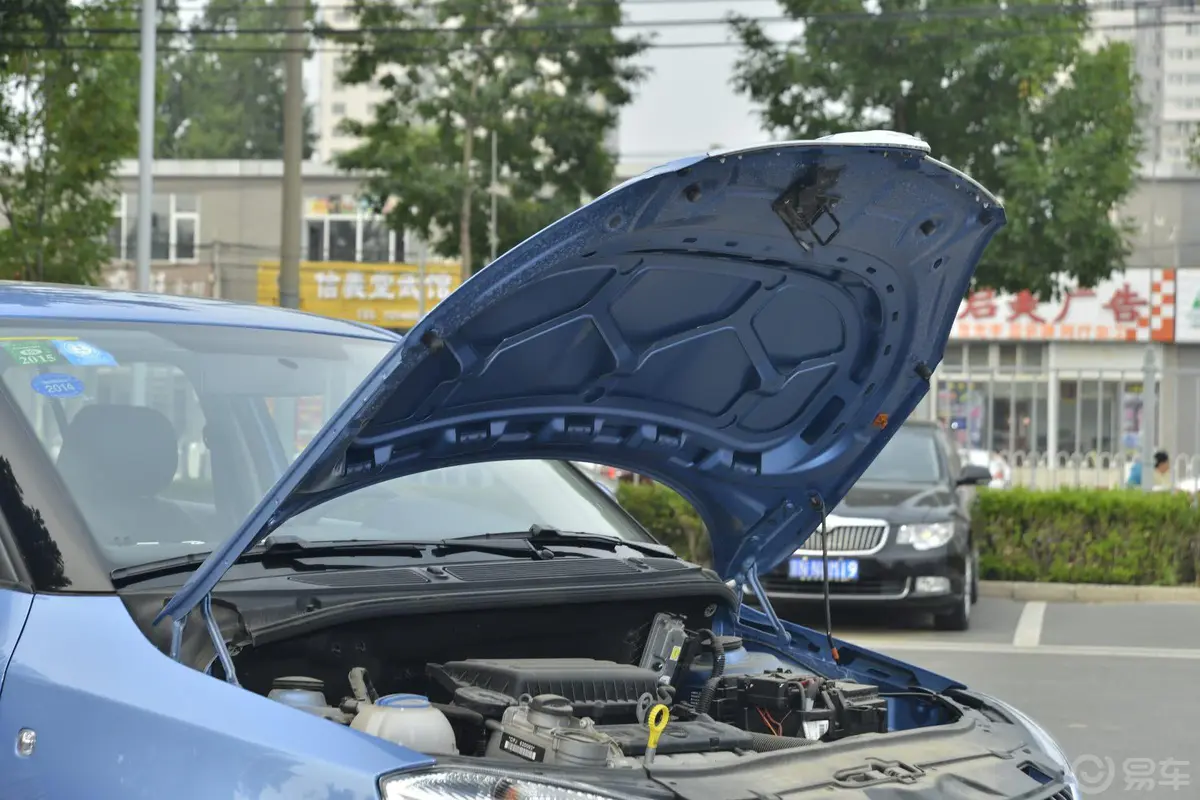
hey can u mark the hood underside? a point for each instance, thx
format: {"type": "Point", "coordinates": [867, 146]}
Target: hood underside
{"type": "Point", "coordinates": [748, 327]}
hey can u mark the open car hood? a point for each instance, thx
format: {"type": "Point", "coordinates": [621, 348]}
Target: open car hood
{"type": "Point", "coordinates": [748, 327]}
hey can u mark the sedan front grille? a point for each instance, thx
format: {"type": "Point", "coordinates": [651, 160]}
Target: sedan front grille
{"type": "Point", "coordinates": [848, 539]}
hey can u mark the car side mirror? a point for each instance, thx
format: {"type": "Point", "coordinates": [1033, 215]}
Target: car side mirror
{"type": "Point", "coordinates": [973, 475]}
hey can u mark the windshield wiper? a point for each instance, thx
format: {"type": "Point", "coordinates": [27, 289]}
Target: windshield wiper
{"type": "Point", "coordinates": [287, 550]}
{"type": "Point", "coordinates": [276, 548]}
{"type": "Point", "coordinates": [540, 535]}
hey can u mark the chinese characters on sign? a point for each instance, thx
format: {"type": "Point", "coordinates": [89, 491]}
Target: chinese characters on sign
{"type": "Point", "coordinates": [1121, 309]}
{"type": "Point", "coordinates": [186, 280]}
{"type": "Point", "coordinates": [353, 285]}
{"type": "Point", "coordinates": [391, 295]}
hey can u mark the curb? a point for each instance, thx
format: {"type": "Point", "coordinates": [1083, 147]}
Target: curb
{"type": "Point", "coordinates": [1088, 592]}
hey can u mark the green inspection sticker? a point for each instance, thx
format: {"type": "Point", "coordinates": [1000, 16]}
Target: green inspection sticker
{"type": "Point", "coordinates": [31, 352]}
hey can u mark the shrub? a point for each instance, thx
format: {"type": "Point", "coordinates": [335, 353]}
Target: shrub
{"type": "Point", "coordinates": [1085, 536]}
{"type": "Point", "coordinates": [1066, 535]}
{"type": "Point", "coordinates": [668, 517]}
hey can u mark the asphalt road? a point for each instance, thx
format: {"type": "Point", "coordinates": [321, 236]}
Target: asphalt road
{"type": "Point", "coordinates": [1117, 685]}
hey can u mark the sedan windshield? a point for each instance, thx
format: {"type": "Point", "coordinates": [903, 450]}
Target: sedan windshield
{"type": "Point", "coordinates": [167, 436]}
{"type": "Point", "coordinates": [910, 457]}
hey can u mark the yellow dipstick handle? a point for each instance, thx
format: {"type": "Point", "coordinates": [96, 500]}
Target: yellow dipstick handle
{"type": "Point", "coordinates": [659, 716]}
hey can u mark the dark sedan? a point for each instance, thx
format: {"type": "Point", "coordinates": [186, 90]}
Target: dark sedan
{"type": "Point", "coordinates": [902, 536]}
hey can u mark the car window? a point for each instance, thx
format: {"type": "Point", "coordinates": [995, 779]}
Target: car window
{"type": "Point", "coordinates": [910, 457]}
{"type": "Point", "coordinates": [166, 436]}
{"type": "Point", "coordinates": [53, 400]}
{"type": "Point", "coordinates": [467, 500]}
{"type": "Point", "coordinates": [950, 453]}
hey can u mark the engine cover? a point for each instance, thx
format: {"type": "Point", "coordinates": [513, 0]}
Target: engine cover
{"type": "Point", "coordinates": [596, 689]}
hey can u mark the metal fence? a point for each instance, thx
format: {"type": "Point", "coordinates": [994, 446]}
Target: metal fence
{"type": "Point", "coordinates": [1074, 427]}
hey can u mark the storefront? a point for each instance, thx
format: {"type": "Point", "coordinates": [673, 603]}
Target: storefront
{"type": "Point", "coordinates": [392, 296]}
{"type": "Point", "coordinates": [1033, 378]}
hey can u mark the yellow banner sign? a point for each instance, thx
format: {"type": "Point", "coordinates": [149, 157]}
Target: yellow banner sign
{"type": "Point", "coordinates": [388, 295]}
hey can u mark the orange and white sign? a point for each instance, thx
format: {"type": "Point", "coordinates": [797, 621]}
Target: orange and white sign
{"type": "Point", "coordinates": [1138, 306]}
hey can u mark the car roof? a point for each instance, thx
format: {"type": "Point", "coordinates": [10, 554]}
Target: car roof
{"type": "Point", "coordinates": [22, 300]}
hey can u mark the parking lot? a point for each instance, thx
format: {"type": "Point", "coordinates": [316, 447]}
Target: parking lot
{"type": "Point", "coordinates": [1116, 684]}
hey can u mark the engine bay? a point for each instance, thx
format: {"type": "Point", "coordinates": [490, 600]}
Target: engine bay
{"type": "Point", "coordinates": [683, 695]}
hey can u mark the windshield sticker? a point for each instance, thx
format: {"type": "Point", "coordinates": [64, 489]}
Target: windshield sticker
{"type": "Point", "coordinates": [57, 384]}
{"type": "Point", "coordinates": [31, 352]}
{"type": "Point", "coordinates": [82, 354]}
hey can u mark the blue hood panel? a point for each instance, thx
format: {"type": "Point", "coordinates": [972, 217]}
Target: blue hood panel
{"type": "Point", "coordinates": [737, 326]}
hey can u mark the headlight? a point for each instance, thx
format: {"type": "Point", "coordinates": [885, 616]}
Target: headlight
{"type": "Point", "coordinates": [926, 537]}
{"type": "Point", "coordinates": [1045, 741]}
{"type": "Point", "coordinates": [463, 784]}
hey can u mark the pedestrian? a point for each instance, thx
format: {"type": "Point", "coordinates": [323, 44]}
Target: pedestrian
{"type": "Point", "coordinates": [1162, 473]}
{"type": "Point", "coordinates": [1162, 470]}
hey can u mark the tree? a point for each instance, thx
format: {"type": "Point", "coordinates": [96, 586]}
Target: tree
{"type": "Point", "coordinates": [67, 96]}
{"type": "Point", "coordinates": [1012, 98]}
{"type": "Point", "coordinates": [222, 84]}
{"type": "Point", "coordinates": [547, 78]}
{"type": "Point", "coordinates": [49, 16]}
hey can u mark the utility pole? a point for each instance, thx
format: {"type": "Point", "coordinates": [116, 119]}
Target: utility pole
{"type": "Point", "coordinates": [422, 257]}
{"type": "Point", "coordinates": [293, 155]}
{"type": "Point", "coordinates": [494, 232]}
{"type": "Point", "coordinates": [149, 65]}
{"type": "Point", "coordinates": [146, 143]}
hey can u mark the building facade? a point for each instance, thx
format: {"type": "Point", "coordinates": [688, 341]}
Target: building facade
{"type": "Point", "coordinates": [216, 228]}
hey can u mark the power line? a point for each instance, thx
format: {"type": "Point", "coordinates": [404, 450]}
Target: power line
{"type": "Point", "coordinates": [982, 37]}
{"type": "Point", "coordinates": [947, 14]}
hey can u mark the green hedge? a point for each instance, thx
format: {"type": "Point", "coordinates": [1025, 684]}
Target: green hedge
{"type": "Point", "coordinates": [1067, 535]}
{"type": "Point", "coordinates": [669, 517]}
{"type": "Point", "coordinates": [1087, 536]}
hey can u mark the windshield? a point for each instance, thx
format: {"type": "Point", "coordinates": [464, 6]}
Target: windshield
{"type": "Point", "coordinates": [910, 457]}
{"type": "Point", "coordinates": [167, 436]}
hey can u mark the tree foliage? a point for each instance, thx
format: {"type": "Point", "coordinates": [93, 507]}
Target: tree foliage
{"type": "Point", "coordinates": [66, 101]}
{"type": "Point", "coordinates": [547, 78]}
{"type": "Point", "coordinates": [1011, 97]}
{"type": "Point", "coordinates": [221, 89]}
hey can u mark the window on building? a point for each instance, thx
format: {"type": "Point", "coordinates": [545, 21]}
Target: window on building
{"type": "Point", "coordinates": [337, 229]}
{"type": "Point", "coordinates": [1097, 414]}
{"type": "Point", "coordinates": [342, 236]}
{"type": "Point", "coordinates": [339, 109]}
{"type": "Point", "coordinates": [978, 356]}
{"type": "Point", "coordinates": [1192, 29]}
{"type": "Point", "coordinates": [1175, 52]}
{"type": "Point", "coordinates": [174, 228]}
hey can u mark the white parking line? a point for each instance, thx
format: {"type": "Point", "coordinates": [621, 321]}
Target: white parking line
{"type": "Point", "coordinates": [898, 647]}
{"type": "Point", "coordinates": [1029, 626]}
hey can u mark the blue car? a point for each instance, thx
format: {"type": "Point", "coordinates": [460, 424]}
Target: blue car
{"type": "Point", "coordinates": [253, 553]}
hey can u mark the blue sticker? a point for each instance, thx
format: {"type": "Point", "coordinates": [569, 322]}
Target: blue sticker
{"type": "Point", "coordinates": [82, 354]}
{"type": "Point", "coordinates": [57, 384]}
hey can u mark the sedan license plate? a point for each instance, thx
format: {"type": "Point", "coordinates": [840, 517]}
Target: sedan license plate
{"type": "Point", "coordinates": [809, 569]}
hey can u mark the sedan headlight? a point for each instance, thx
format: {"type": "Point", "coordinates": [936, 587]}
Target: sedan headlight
{"type": "Point", "coordinates": [472, 784]}
{"type": "Point", "coordinates": [1044, 741]}
{"type": "Point", "coordinates": [927, 536]}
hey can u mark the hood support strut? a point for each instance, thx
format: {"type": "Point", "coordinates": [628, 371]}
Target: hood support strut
{"type": "Point", "coordinates": [781, 632]}
{"type": "Point", "coordinates": [214, 634]}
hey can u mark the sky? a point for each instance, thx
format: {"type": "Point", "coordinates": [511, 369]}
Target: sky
{"type": "Point", "coordinates": [687, 105]}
